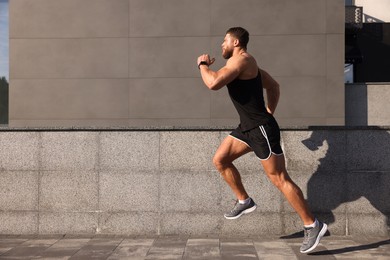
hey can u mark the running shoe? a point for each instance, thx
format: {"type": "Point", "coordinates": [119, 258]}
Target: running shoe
{"type": "Point", "coordinates": [241, 209]}
{"type": "Point", "coordinates": [312, 237]}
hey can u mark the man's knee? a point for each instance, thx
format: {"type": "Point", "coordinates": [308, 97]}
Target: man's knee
{"type": "Point", "coordinates": [217, 161]}
{"type": "Point", "coordinates": [220, 162]}
{"type": "Point", "coordinates": [279, 179]}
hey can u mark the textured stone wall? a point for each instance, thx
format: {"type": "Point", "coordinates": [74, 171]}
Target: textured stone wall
{"type": "Point", "coordinates": [160, 182]}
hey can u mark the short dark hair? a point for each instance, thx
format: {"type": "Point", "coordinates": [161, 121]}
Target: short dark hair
{"type": "Point", "coordinates": [240, 34]}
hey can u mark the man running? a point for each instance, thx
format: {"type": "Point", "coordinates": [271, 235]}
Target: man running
{"type": "Point", "coordinates": [258, 130]}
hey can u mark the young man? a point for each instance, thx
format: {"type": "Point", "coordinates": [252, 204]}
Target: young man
{"type": "Point", "coordinates": [258, 130]}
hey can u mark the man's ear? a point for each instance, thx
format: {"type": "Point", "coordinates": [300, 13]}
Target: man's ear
{"type": "Point", "coordinates": [236, 42]}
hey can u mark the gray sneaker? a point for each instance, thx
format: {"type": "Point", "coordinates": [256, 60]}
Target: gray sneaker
{"type": "Point", "coordinates": [312, 237]}
{"type": "Point", "coordinates": [240, 209]}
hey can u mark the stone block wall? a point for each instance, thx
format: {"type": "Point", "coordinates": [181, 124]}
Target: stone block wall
{"type": "Point", "coordinates": [161, 181]}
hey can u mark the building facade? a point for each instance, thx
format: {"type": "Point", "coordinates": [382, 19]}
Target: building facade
{"type": "Point", "coordinates": [133, 62]}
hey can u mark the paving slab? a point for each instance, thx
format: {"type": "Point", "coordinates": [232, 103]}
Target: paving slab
{"type": "Point", "coordinates": [167, 248]}
{"type": "Point", "coordinates": [9, 243]}
{"type": "Point", "coordinates": [274, 250]}
{"type": "Point", "coordinates": [132, 248]}
{"type": "Point", "coordinates": [63, 249]}
{"type": "Point", "coordinates": [97, 248]}
{"type": "Point", "coordinates": [238, 249]}
{"type": "Point", "coordinates": [28, 249]}
{"type": "Point", "coordinates": [202, 249]}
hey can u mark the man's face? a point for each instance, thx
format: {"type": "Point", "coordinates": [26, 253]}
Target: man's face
{"type": "Point", "coordinates": [227, 46]}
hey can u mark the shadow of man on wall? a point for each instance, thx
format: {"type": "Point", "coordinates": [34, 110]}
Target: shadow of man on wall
{"type": "Point", "coordinates": [356, 165]}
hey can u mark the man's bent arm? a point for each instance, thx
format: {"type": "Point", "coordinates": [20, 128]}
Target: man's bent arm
{"type": "Point", "coordinates": [215, 80]}
{"type": "Point", "coordinates": [272, 89]}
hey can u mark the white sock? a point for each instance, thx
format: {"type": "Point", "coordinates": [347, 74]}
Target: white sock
{"type": "Point", "coordinates": [245, 202]}
{"type": "Point", "coordinates": [315, 223]}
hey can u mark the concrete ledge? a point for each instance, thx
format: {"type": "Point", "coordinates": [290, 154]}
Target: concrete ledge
{"type": "Point", "coordinates": [4, 128]}
{"type": "Point", "coordinates": [161, 181]}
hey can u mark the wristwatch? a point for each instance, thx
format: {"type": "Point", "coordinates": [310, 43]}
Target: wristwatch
{"type": "Point", "coordinates": [202, 63]}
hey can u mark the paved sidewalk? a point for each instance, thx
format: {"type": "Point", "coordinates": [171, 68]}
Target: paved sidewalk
{"type": "Point", "coordinates": [178, 247]}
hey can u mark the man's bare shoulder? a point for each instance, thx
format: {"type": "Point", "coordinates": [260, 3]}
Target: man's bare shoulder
{"type": "Point", "coordinates": [241, 62]}
{"type": "Point", "coordinates": [245, 64]}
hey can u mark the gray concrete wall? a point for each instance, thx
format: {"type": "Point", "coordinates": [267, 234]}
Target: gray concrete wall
{"type": "Point", "coordinates": [161, 182]}
{"type": "Point", "coordinates": [133, 62]}
{"type": "Point", "coordinates": [367, 104]}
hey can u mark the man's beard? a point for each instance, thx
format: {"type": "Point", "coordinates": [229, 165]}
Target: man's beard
{"type": "Point", "coordinates": [227, 54]}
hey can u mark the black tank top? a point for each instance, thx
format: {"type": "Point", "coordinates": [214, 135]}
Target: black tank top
{"type": "Point", "coordinates": [247, 97]}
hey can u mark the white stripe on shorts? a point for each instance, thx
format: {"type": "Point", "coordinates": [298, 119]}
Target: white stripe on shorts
{"type": "Point", "coordinates": [269, 145]}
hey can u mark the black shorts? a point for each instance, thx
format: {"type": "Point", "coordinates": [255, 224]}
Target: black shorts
{"type": "Point", "coordinates": [264, 140]}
